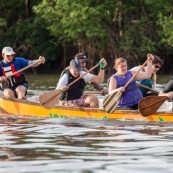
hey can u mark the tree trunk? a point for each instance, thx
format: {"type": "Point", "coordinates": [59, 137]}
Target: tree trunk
{"type": "Point", "coordinates": [27, 3]}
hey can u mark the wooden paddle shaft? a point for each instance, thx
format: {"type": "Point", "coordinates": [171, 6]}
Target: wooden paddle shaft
{"type": "Point", "coordinates": [22, 69]}
{"type": "Point", "coordinates": [94, 92]}
{"type": "Point", "coordinates": [147, 87]}
{"type": "Point", "coordinates": [83, 75]}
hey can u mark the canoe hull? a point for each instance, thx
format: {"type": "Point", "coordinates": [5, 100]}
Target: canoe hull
{"type": "Point", "coordinates": [27, 108]}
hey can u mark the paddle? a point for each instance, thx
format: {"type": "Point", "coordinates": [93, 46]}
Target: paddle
{"type": "Point", "coordinates": [94, 92]}
{"type": "Point", "coordinates": [22, 69]}
{"type": "Point", "coordinates": [49, 99]}
{"type": "Point", "coordinates": [150, 104]}
{"type": "Point", "coordinates": [147, 87]}
{"type": "Point", "coordinates": [111, 102]}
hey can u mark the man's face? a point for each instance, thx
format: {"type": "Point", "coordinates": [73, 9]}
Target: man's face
{"type": "Point", "coordinates": [74, 72]}
{"type": "Point", "coordinates": [155, 68]}
{"type": "Point", "coordinates": [8, 58]}
{"type": "Point", "coordinates": [83, 63]}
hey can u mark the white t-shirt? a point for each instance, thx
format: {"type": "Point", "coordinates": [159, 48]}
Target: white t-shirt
{"type": "Point", "coordinates": [137, 68]}
{"type": "Point", "coordinates": [64, 79]}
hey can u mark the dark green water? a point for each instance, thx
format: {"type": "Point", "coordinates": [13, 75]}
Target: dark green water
{"type": "Point", "coordinates": [48, 82]}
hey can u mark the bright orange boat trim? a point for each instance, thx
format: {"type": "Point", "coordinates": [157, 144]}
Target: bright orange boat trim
{"type": "Point", "coordinates": [27, 108]}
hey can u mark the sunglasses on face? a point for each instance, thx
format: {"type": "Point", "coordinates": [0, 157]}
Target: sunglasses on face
{"type": "Point", "coordinates": [158, 67]}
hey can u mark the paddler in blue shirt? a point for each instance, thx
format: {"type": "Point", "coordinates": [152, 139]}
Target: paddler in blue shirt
{"type": "Point", "coordinates": [16, 86]}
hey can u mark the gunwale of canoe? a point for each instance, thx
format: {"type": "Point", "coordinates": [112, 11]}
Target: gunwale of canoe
{"type": "Point", "coordinates": [28, 108]}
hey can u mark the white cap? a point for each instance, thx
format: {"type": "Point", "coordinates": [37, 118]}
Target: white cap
{"type": "Point", "coordinates": [8, 51]}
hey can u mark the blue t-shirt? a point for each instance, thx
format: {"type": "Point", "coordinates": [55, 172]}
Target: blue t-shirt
{"type": "Point", "coordinates": [18, 62]}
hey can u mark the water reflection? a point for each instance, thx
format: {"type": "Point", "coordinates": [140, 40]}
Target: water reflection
{"type": "Point", "coordinates": [42, 145]}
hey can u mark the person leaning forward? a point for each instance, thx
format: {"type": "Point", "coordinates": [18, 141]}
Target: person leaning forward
{"type": "Point", "coordinates": [15, 86]}
{"type": "Point", "coordinates": [73, 95]}
{"type": "Point", "coordinates": [83, 61]}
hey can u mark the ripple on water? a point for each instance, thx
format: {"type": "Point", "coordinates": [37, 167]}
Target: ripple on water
{"type": "Point", "coordinates": [47, 146]}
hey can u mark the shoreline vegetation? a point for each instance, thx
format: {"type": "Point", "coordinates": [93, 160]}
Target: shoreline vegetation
{"type": "Point", "coordinates": [60, 29]}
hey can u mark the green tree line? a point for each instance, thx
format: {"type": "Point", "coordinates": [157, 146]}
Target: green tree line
{"type": "Point", "coordinates": [58, 29]}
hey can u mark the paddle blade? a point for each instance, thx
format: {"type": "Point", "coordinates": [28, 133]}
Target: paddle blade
{"type": "Point", "coordinates": [149, 105]}
{"type": "Point", "coordinates": [111, 102]}
{"type": "Point", "coordinates": [49, 99]}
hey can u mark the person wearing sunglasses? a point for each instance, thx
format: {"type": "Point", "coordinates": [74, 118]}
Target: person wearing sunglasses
{"type": "Point", "coordinates": [150, 82]}
{"type": "Point", "coordinates": [16, 86]}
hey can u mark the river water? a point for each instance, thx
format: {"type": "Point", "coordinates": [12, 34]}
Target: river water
{"type": "Point", "coordinates": [35, 145]}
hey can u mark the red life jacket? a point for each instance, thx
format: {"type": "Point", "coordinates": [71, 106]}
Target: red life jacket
{"type": "Point", "coordinates": [6, 71]}
{"type": "Point", "coordinates": [15, 80]}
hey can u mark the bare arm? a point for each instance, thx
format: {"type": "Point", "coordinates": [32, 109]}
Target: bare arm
{"type": "Point", "coordinates": [167, 91]}
{"type": "Point", "coordinates": [113, 86]}
{"type": "Point", "coordinates": [147, 74]}
{"type": "Point", "coordinates": [100, 77]}
{"type": "Point", "coordinates": [41, 60]}
{"type": "Point", "coordinates": [169, 94]}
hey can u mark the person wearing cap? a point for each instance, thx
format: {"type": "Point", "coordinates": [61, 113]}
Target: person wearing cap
{"type": "Point", "coordinates": [73, 95]}
{"type": "Point", "coordinates": [83, 60]}
{"type": "Point", "coordinates": [15, 86]}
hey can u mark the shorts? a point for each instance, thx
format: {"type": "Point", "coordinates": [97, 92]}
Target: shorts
{"type": "Point", "coordinates": [76, 102]}
{"type": "Point", "coordinates": [14, 87]}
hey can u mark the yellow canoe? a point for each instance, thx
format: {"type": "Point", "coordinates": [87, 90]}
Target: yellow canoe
{"type": "Point", "coordinates": [29, 108]}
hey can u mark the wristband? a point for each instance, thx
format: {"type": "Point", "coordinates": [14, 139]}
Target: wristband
{"type": "Point", "coordinates": [101, 65]}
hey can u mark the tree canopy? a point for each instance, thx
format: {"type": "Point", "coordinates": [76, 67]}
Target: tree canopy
{"type": "Point", "coordinates": [58, 29]}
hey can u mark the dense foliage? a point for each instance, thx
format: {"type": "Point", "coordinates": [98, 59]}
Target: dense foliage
{"type": "Point", "coordinates": [58, 29]}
